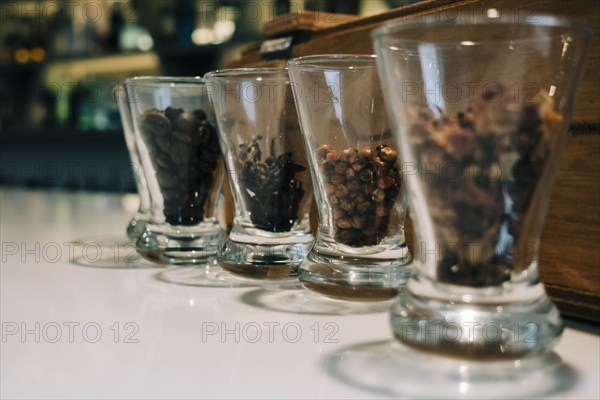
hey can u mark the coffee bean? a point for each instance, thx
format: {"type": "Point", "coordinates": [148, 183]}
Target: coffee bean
{"type": "Point", "coordinates": [180, 153]}
{"type": "Point", "coordinates": [164, 143]}
{"type": "Point", "coordinates": [162, 161]}
{"type": "Point", "coordinates": [181, 136]}
{"type": "Point", "coordinates": [155, 123]}
{"type": "Point", "coordinates": [166, 179]}
{"type": "Point", "coordinates": [184, 165]}
{"type": "Point", "coordinates": [186, 122]}
{"type": "Point", "coordinates": [172, 112]}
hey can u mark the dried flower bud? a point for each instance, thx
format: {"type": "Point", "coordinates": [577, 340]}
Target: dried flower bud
{"type": "Point", "coordinates": [381, 210]}
{"type": "Point", "coordinates": [349, 173]}
{"type": "Point", "coordinates": [337, 179]}
{"type": "Point", "coordinates": [385, 182]}
{"type": "Point", "coordinates": [346, 204]}
{"type": "Point", "coordinates": [363, 207]}
{"type": "Point", "coordinates": [366, 176]}
{"type": "Point", "coordinates": [388, 154]}
{"type": "Point", "coordinates": [341, 167]}
{"type": "Point", "coordinates": [358, 221]}
{"type": "Point", "coordinates": [353, 186]}
{"type": "Point", "coordinates": [332, 156]}
{"type": "Point", "coordinates": [344, 223]}
{"type": "Point", "coordinates": [323, 149]}
{"type": "Point", "coordinates": [366, 152]}
{"type": "Point", "coordinates": [349, 155]}
{"type": "Point", "coordinates": [378, 195]}
{"type": "Point", "coordinates": [341, 191]}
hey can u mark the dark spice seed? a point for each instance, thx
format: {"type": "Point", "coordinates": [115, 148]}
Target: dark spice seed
{"type": "Point", "coordinates": [362, 187]}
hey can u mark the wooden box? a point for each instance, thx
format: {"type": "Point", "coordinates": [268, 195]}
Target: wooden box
{"type": "Point", "coordinates": [570, 248]}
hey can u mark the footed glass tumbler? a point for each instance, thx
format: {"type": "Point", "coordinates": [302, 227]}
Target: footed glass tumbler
{"type": "Point", "coordinates": [360, 252]}
{"type": "Point", "coordinates": [177, 139]}
{"type": "Point", "coordinates": [270, 182]}
{"type": "Point", "coordinates": [480, 110]}
{"type": "Point", "coordinates": [137, 224]}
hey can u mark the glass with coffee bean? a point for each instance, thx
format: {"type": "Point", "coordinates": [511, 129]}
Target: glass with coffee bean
{"type": "Point", "coordinates": [177, 138]}
{"type": "Point", "coordinates": [268, 174]}
{"type": "Point", "coordinates": [360, 251]}
{"type": "Point", "coordinates": [480, 109]}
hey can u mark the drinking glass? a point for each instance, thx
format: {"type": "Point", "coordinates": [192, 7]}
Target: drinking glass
{"type": "Point", "coordinates": [269, 180]}
{"type": "Point", "coordinates": [360, 252]}
{"type": "Point", "coordinates": [480, 109]}
{"type": "Point", "coordinates": [176, 134]}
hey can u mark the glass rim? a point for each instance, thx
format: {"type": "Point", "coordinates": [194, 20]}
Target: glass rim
{"type": "Point", "coordinates": [153, 80]}
{"type": "Point", "coordinates": [542, 20]}
{"type": "Point", "coordinates": [240, 72]}
{"type": "Point", "coordinates": [332, 61]}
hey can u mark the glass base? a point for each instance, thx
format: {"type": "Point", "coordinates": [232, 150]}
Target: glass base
{"type": "Point", "coordinates": [263, 261]}
{"type": "Point", "coordinates": [347, 277]}
{"type": "Point", "coordinates": [166, 244]}
{"type": "Point", "coordinates": [293, 298]}
{"type": "Point", "coordinates": [106, 251]}
{"type": "Point", "coordinates": [393, 370]}
{"type": "Point", "coordinates": [209, 275]}
{"type": "Point", "coordinates": [493, 323]}
{"type": "Point", "coordinates": [137, 225]}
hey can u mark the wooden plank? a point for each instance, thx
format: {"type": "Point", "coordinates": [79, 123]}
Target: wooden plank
{"type": "Point", "coordinates": [310, 21]}
{"type": "Point", "coordinates": [570, 254]}
{"type": "Point", "coordinates": [355, 37]}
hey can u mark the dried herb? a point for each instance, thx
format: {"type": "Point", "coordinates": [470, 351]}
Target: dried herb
{"type": "Point", "coordinates": [497, 151]}
{"type": "Point", "coordinates": [270, 188]}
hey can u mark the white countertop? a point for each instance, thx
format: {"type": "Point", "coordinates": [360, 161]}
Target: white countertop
{"type": "Point", "coordinates": [73, 331]}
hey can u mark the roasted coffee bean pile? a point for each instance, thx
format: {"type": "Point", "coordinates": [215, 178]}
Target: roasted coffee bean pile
{"type": "Point", "coordinates": [362, 187]}
{"type": "Point", "coordinates": [497, 150]}
{"type": "Point", "coordinates": [184, 150]}
{"type": "Point", "coordinates": [270, 188]}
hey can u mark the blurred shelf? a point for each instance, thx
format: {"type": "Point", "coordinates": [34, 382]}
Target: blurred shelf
{"type": "Point", "coordinates": [60, 135]}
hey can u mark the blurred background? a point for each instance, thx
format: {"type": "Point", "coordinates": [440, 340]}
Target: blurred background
{"type": "Point", "coordinates": [60, 60]}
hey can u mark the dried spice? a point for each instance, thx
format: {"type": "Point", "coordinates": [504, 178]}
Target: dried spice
{"type": "Point", "coordinates": [270, 188]}
{"type": "Point", "coordinates": [362, 186]}
{"type": "Point", "coordinates": [184, 150]}
{"type": "Point", "coordinates": [497, 150]}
